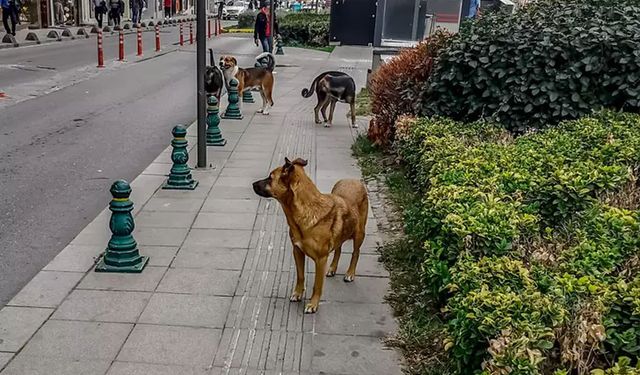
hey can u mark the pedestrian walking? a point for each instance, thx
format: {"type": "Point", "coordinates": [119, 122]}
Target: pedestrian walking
{"type": "Point", "coordinates": [100, 10]}
{"type": "Point", "coordinates": [136, 10]}
{"type": "Point", "coordinates": [220, 9]}
{"type": "Point", "coordinates": [58, 12]}
{"type": "Point", "coordinates": [114, 11]}
{"type": "Point", "coordinates": [9, 15]}
{"type": "Point", "coordinates": [167, 9]}
{"type": "Point", "coordinates": [263, 31]}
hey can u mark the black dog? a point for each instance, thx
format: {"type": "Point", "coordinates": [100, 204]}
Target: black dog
{"type": "Point", "coordinates": [213, 79]}
{"type": "Point", "coordinates": [331, 87]}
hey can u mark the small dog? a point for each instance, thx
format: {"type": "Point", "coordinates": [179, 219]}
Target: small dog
{"type": "Point", "coordinates": [331, 87]}
{"type": "Point", "coordinates": [318, 223]}
{"type": "Point", "coordinates": [250, 78]}
{"type": "Point", "coordinates": [213, 79]}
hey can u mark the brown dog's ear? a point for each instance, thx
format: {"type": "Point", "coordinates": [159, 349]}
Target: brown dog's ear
{"type": "Point", "coordinates": [288, 166]}
{"type": "Point", "coordinates": [300, 162]}
{"type": "Point", "coordinates": [235, 62]}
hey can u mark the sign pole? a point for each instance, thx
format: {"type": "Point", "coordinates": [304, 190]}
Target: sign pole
{"type": "Point", "coordinates": [201, 47]}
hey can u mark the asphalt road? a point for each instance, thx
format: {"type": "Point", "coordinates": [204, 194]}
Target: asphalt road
{"type": "Point", "coordinates": [60, 152]}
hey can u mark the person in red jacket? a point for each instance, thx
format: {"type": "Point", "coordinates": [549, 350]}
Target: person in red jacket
{"type": "Point", "coordinates": [167, 8]}
{"type": "Point", "coordinates": [262, 31]}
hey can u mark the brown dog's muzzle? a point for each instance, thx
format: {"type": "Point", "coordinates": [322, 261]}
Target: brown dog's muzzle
{"type": "Point", "coordinates": [260, 188]}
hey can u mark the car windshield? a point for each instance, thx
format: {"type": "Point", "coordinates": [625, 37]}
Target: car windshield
{"type": "Point", "coordinates": [236, 3]}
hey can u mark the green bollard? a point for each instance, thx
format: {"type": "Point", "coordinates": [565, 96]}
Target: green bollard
{"type": "Point", "coordinates": [233, 110]}
{"type": "Point", "coordinates": [180, 176]}
{"type": "Point", "coordinates": [279, 50]}
{"type": "Point", "coordinates": [247, 97]}
{"type": "Point", "coordinates": [214, 135]}
{"type": "Point", "coordinates": [122, 251]}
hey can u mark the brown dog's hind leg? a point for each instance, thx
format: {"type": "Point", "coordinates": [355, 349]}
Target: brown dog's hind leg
{"type": "Point", "coordinates": [298, 291]}
{"type": "Point", "coordinates": [357, 242]}
{"type": "Point", "coordinates": [322, 98]}
{"type": "Point", "coordinates": [321, 268]}
{"type": "Point", "coordinates": [326, 103]}
{"type": "Point", "coordinates": [334, 263]}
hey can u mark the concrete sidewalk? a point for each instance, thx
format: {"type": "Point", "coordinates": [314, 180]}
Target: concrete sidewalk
{"type": "Point", "coordinates": [215, 297]}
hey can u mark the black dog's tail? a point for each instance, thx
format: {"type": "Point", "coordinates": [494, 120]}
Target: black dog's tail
{"type": "Point", "coordinates": [306, 93]}
{"type": "Point", "coordinates": [271, 60]}
{"type": "Point", "coordinates": [211, 57]}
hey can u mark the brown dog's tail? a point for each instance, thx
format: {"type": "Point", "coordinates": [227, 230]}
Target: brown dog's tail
{"type": "Point", "coordinates": [307, 93]}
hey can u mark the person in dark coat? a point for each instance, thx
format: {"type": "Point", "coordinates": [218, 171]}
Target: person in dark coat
{"type": "Point", "coordinates": [9, 13]}
{"type": "Point", "coordinates": [262, 30]}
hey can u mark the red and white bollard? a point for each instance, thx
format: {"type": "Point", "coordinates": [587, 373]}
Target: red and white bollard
{"type": "Point", "coordinates": [100, 50]}
{"type": "Point", "coordinates": [121, 47]}
{"type": "Point", "coordinates": [157, 38]}
{"type": "Point", "coordinates": [190, 32]}
{"type": "Point", "coordinates": [181, 36]}
{"type": "Point", "coordinates": [209, 28]}
{"type": "Point", "coordinates": [139, 41]}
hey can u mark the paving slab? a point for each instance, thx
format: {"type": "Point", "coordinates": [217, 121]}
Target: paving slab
{"type": "Point", "coordinates": [218, 238]}
{"type": "Point", "coordinates": [219, 205]}
{"type": "Point", "coordinates": [170, 345]}
{"type": "Point", "coordinates": [77, 340]}
{"type": "Point", "coordinates": [76, 258]}
{"type": "Point", "coordinates": [224, 220]}
{"type": "Point", "coordinates": [146, 236]}
{"type": "Point", "coordinates": [161, 256]}
{"type": "Point", "coordinates": [211, 258]}
{"type": "Point", "coordinates": [357, 319]}
{"type": "Point", "coordinates": [102, 306]}
{"type": "Point", "coordinates": [5, 358]}
{"type": "Point", "coordinates": [127, 368]}
{"type": "Point", "coordinates": [153, 219]}
{"type": "Point", "coordinates": [47, 289]}
{"type": "Point", "coordinates": [186, 310]}
{"type": "Point", "coordinates": [147, 281]}
{"type": "Point", "coordinates": [339, 354]}
{"type": "Point", "coordinates": [18, 324]}
{"type": "Point", "coordinates": [200, 281]}
{"type": "Point", "coordinates": [23, 365]}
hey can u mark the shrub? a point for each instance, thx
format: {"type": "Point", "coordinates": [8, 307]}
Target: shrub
{"type": "Point", "coordinates": [550, 61]}
{"type": "Point", "coordinates": [247, 20]}
{"type": "Point", "coordinates": [305, 29]}
{"type": "Point", "coordinates": [533, 270]}
{"type": "Point", "coordinates": [395, 84]}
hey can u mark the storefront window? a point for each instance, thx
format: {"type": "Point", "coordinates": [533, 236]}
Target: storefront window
{"type": "Point", "coordinates": [29, 12]}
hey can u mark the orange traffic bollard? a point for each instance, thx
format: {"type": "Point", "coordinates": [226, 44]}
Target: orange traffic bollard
{"type": "Point", "coordinates": [157, 38]}
{"type": "Point", "coordinates": [139, 41]}
{"type": "Point", "coordinates": [100, 51]}
{"type": "Point", "coordinates": [121, 47]}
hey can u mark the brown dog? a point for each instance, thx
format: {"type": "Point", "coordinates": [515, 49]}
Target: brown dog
{"type": "Point", "coordinates": [260, 78]}
{"type": "Point", "coordinates": [318, 223]}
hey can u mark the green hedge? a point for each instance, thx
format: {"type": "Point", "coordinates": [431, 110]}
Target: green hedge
{"type": "Point", "coordinates": [530, 245]}
{"type": "Point", "coordinates": [305, 29]}
{"type": "Point", "coordinates": [550, 61]}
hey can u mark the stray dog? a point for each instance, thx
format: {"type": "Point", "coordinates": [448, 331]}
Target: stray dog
{"type": "Point", "coordinates": [250, 78]}
{"type": "Point", "coordinates": [331, 87]}
{"type": "Point", "coordinates": [318, 223]}
{"type": "Point", "coordinates": [213, 79]}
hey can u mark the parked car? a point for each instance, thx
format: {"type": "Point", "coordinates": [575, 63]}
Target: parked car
{"type": "Point", "coordinates": [234, 8]}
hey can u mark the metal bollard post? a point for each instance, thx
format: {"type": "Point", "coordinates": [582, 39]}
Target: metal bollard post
{"type": "Point", "coordinates": [180, 177]}
{"type": "Point", "coordinates": [232, 111]}
{"type": "Point", "coordinates": [181, 36]}
{"type": "Point", "coordinates": [214, 135]}
{"type": "Point", "coordinates": [247, 97]}
{"type": "Point", "coordinates": [190, 32]}
{"type": "Point", "coordinates": [121, 46]}
{"type": "Point", "coordinates": [122, 253]}
{"type": "Point", "coordinates": [139, 41]}
{"type": "Point", "coordinates": [209, 28]}
{"type": "Point", "coordinates": [157, 38]}
{"type": "Point", "coordinates": [100, 50]}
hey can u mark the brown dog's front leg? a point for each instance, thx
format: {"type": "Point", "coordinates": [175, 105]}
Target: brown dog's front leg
{"type": "Point", "coordinates": [298, 291]}
{"type": "Point", "coordinates": [321, 267]}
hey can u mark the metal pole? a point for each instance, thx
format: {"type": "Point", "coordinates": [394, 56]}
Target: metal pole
{"type": "Point", "coordinates": [272, 23]}
{"type": "Point", "coordinates": [201, 47]}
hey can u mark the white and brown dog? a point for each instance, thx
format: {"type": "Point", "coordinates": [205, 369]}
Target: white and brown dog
{"type": "Point", "coordinates": [260, 78]}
